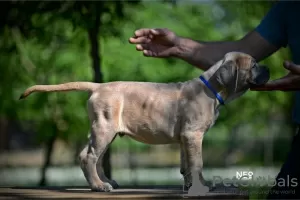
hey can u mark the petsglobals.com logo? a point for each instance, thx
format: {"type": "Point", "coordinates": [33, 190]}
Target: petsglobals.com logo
{"type": "Point", "coordinates": [244, 175]}
{"type": "Point", "coordinates": [249, 180]}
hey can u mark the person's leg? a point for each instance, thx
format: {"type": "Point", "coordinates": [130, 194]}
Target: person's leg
{"type": "Point", "coordinates": [290, 173]}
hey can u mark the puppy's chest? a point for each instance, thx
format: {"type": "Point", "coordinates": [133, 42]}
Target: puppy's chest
{"type": "Point", "coordinates": [201, 119]}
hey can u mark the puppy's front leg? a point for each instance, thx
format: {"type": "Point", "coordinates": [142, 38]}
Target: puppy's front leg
{"type": "Point", "coordinates": [192, 149]}
{"type": "Point", "coordinates": [187, 177]}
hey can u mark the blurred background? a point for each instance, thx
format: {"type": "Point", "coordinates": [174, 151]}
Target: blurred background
{"type": "Point", "coordinates": [53, 42]}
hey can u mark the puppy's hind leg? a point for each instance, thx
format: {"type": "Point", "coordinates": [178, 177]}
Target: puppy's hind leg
{"type": "Point", "coordinates": [101, 137]}
{"type": "Point", "coordinates": [101, 173]}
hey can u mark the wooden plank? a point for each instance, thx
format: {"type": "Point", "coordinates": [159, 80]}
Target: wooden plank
{"type": "Point", "coordinates": [122, 193]}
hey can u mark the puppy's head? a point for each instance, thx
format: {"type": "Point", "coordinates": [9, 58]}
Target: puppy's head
{"type": "Point", "coordinates": [237, 72]}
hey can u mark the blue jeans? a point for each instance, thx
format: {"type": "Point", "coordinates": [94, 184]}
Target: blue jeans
{"type": "Point", "coordinates": [290, 169]}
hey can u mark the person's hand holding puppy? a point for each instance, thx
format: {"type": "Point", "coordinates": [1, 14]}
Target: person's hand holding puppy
{"type": "Point", "coordinates": [290, 82]}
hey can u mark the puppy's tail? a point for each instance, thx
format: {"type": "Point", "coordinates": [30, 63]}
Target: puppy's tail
{"type": "Point", "coordinates": [79, 86]}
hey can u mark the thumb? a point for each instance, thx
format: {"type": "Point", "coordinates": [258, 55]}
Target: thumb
{"type": "Point", "coordinates": [292, 67]}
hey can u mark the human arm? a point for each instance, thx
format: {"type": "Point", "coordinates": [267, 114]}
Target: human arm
{"type": "Point", "coordinates": [205, 54]}
{"type": "Point", "coordinates": [162, 43]}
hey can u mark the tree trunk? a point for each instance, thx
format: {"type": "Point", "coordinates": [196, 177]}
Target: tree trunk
{"type": "Point", "coordinates": [93, 36]}
{"type": "Point", "coordinates": [49, 151]}
{"type": "Point", "coordinates": [93, 33]}
{"type": "Point", "coordinates": [4, 141]}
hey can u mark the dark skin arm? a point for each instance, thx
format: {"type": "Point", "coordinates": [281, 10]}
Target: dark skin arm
{"type": "Point", "coordinates": [162, 43]}
{"type": "Point", "coordinates": [205, 54]}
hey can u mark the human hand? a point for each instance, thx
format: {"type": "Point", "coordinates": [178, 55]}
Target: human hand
{"type": "Point", "coordinates": [290, 82]}
{"type": "Point", "coordinates": [155, 42]}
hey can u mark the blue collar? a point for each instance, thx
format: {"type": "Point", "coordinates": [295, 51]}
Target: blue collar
{"type": "Point", "coordinates": [212, 89]}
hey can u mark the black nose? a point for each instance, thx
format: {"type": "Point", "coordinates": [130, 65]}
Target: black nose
{"type": "Point", "coordinates": [263, 75]}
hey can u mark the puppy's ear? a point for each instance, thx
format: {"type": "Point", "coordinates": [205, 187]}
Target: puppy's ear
{"type": "Point", "coordinates": [225, 72]}
{"type": "Point", "coordinates": [259, 75]}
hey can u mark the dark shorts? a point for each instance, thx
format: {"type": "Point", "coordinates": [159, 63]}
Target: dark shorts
{"type": "Point", "coordinates": [289, 175]}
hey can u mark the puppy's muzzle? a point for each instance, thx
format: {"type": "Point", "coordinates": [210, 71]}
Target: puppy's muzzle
{"type": "Point", "coordinates": [260, 75]}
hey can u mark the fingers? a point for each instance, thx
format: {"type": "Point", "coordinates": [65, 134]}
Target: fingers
{"type": "Point", "coordinates": [292, 67]}
{"type": "Point", "coordinates": [143, 36]}
{"type": "Point", "coordinates": [142, 32]}
{"type": "Point", "coordinates": [159, 31]}
{"type": "Point", "coordinates": [272, 85]}
{"type": "Point", "coordinates": [141, 47]}
{"type": "Point", "coordinates": [273, 89]}
{"type": "Point", "coordinates": [287, 83]}
{"type": "Point", "coordinates": [146, 50]}
{"type": "Point", "coordinates": [139, 40]}
{"type": "Point", "coordinates": [284, 89]}
{"type": "Point", "coordinates": [148, 53]}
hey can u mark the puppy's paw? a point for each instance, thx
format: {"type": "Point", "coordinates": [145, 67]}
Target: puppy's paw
{"type": "Point", "coordinates": [187, 186]}
{"type": "Point", "coordinates": [105, 187]}
{"type": "Point", "coordinates": [187, 183]}
{"type": "Point", "coordinates": [108, 187]}
{"type": "Point", "coordinates": [205, 189]}
{"type": "Point", "coordinates": [198, 190]}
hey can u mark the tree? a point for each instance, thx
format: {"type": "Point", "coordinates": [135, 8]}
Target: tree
{"type": "Point", "coordinates": [23, 17]}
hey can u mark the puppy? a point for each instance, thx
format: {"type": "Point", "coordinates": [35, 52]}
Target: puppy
{"type": "Point", "coordinates": [160, 113]}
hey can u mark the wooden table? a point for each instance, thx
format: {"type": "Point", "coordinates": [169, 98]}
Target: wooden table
{"type": "Point", "coordinates": [144, 192]}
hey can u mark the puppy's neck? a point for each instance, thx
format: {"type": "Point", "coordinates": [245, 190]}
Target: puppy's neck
{"type": "Point", "coordinates": [218, 86]}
